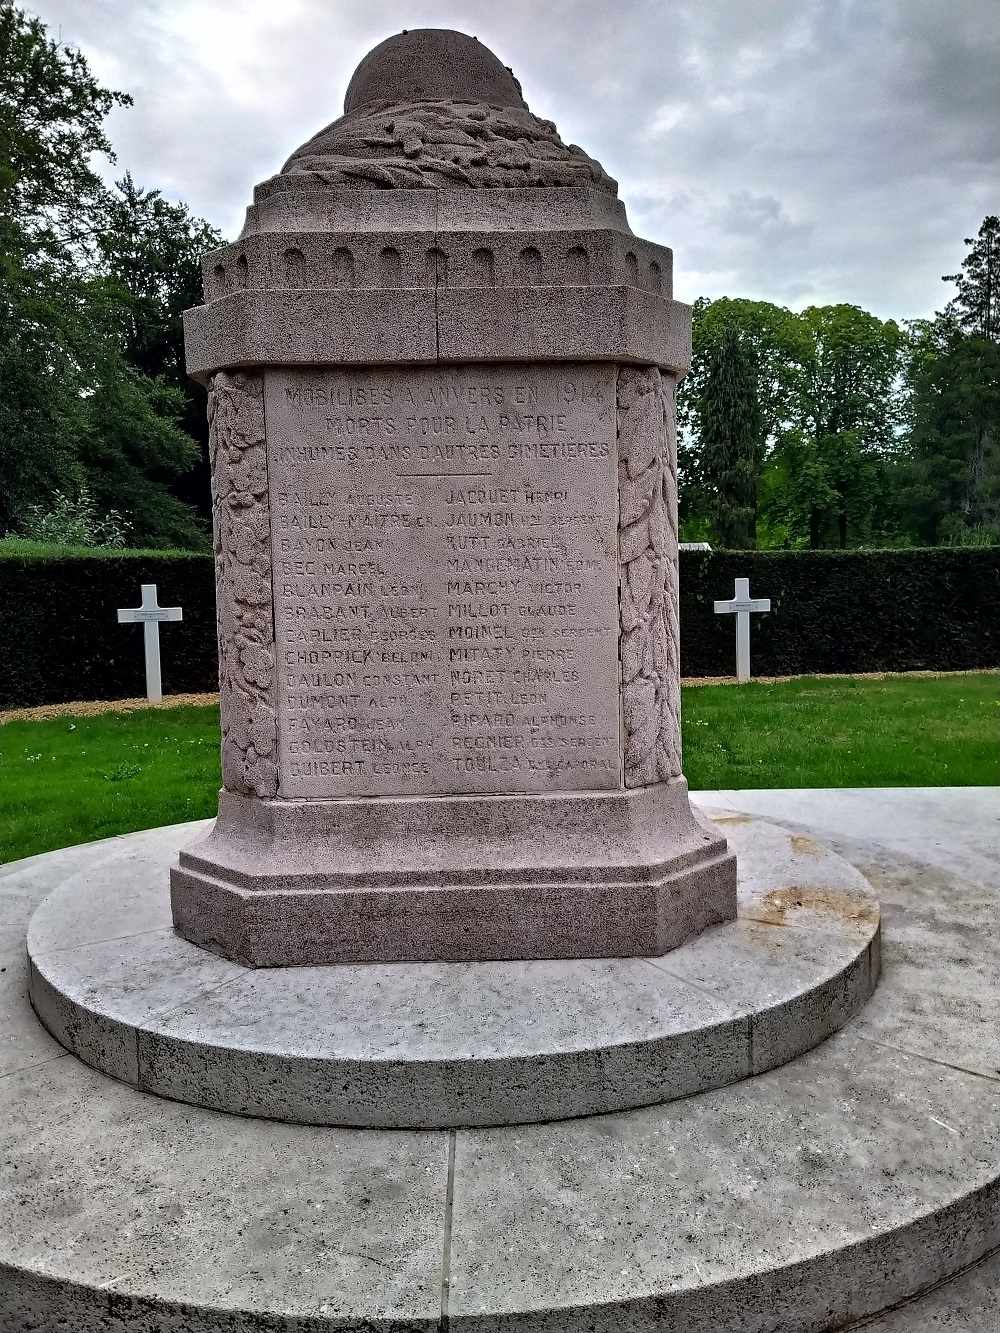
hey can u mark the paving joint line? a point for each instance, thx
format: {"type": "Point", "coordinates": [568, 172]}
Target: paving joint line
{"type": "Point", "coordinates": [26, 1069]}
{"type": "Point", "coordinates": [198, 994]}
{"type": "Point", "coordinates": [113, 939]}
{"type": "Point", "coordinates": [449, 1200]}
{"type": "Point", "coordinates": [917, 1296]}
{"type": "Point", "coordinates": [141, 1031]}
{"type": "Point", "coordinates": [686, 981]}
{"type": "Point", "coordinates": [931, 1059]}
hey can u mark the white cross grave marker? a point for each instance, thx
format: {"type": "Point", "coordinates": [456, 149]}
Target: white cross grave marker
{"type": "Point", "coordinates": [741, 606]}
{"type": "Point", "coordinates": [149, 615]}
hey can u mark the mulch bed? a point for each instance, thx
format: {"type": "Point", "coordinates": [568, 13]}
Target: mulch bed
{"type": "Point", "coordinates": [93, 707]}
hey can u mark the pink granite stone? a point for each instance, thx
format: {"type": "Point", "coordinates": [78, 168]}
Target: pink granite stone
{"type": "Point", "coordinates": [441, 373]}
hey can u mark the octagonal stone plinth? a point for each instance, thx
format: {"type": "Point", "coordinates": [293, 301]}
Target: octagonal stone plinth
{"type": "Point", "coordinates": [589, 875]}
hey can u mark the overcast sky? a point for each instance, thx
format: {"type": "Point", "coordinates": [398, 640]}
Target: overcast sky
{"type": "Point", "coordinates": [797, 151]}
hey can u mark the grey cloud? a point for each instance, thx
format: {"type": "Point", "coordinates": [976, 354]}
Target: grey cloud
{"type": "Point", "coordinates": [794, 150]}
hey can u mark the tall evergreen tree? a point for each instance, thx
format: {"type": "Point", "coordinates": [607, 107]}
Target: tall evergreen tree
{"type": "Point", "coordinates": [953, 482]}
{"type": "Point", "coordinates": [731, 440]}
{"type": "Point", "coordinates": [976, 306]}
{"type": "Point", "coordinates": [774, 345]}
{"type": "Point", "coordinates": [952, 477]}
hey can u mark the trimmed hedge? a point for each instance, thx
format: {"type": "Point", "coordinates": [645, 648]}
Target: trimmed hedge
{"type": "Point", "coordinates": [59, 634]}
{"type": "Point", "coordinates": [838, 611]}
{"type": "Point", "coordinates": [843, 611]}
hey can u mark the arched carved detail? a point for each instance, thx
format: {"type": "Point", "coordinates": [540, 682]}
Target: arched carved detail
{"type": "Point", "coordinates": [577, 267]}
{"type": "Point", "coordinates": [528, 272]}
{"type": "Point", "coordinates": [343, 267]}
{"type": "Point", "coordinates": [483, 268]}
{"type": "Point", "coordinates": [655, 277]}
{"type": "Point", "coordinates": [647, 543]}
{"type": "Point", "coordinates": [631, 269]}
{"type": "Point", "coordinates": [391, 267]}
{"type": "Point", "coordinates": [294, 262]}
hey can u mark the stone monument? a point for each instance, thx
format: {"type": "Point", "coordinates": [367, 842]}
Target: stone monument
{"type": "Point", "coordinates": [441, 375]}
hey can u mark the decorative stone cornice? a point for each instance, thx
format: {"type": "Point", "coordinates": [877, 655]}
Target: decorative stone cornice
{"type": "Point", "coordinates": [331, 326]}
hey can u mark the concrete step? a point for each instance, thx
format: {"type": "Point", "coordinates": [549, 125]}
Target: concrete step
{"type": "Point", "coordinates": [817, 1194]}
{"type": "Point", "coordinates": [435, 1045]}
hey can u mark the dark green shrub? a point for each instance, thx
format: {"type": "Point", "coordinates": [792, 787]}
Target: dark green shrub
{"type": "Point", "coordinates": [59, 632]}
{"type": "Point", "coordinates": [844, 611]}
{"type": "Point", "coordinates": [832, 611]}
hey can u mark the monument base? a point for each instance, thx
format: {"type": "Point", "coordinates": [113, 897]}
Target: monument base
{"type": "Point", "coordinates": [280, 883]}
{"type": "Point", "coordinates": [861, 1174]}
{"type": "Point", "coordinates": [443, 1045]}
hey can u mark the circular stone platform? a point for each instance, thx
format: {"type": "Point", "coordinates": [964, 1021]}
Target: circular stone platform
{"type": "Point", "coordinates": [813, 1196]}
{"type": "Point", "coordinates": [409, 1045]}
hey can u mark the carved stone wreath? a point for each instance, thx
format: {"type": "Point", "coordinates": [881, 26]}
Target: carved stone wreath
{"type": "Point", "coordinates": [242, 528]}
{"type": "Point", "coordinates": [647, 539]}
{"type": "Point", "coordinates": [428, 145]}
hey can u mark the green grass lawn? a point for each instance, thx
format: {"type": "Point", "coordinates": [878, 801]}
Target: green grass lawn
{"type": "Point", "coordinates": [74, 779]}
{"type": "Point", "coordinates": [904, 731]}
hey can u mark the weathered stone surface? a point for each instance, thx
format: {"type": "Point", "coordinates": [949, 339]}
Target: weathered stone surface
{"type": "Point", "coordinates": [124, 1212]}
{"type": "Point", "coordinates": [444, 596]}
{"type": "Point", "coordinates": [424, 63]}
{"type": "Point", "coordinates": [574, 875]}
{"type": "Point", "coordinates": [22, 1040]}
{"type": "Point", "coordinates": [429, 1044]}
{"type": "Point", "coordinates": [822, 1180]}
{"type": "Point", "coordinates": [969, 1303]}
{"type": "Point", "coordinates": [242, 528]}
{"type": "Point", "coordinates": [648, 600]}
{"type": "Point", "coordinates": [441, 371]}
{"type": "Point", "coordinates": [275, 327]}
{"type": "Point", "coordinates": [804, 1199]}
{"type": "Point", "coordinates": [431, 108]}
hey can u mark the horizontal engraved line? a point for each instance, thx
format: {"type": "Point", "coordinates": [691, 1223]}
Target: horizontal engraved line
{"type": "Point", "coordinates": [444, 474]}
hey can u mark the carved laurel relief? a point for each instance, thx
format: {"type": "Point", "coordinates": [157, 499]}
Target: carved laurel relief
{"type": "Point", "coordinates": [242, 528]}
{"type": "Point", "coordinates": [429, 145]}
{"type": "Point", "coordinates": [647, 541]}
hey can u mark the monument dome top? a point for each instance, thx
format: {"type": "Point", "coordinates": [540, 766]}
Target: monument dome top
{"type": "Point", "coordinates": [431, 108]}
{"type": "Point", "coordinates": [427, 64]}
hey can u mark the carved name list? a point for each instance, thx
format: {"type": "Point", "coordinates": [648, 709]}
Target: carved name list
{"type": "Point", "coordinates": [445, 548]}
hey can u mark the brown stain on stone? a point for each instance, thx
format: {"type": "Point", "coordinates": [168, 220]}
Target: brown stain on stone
{"type": "Point", "coordinates": [774, 907]}
{"type": "Point", "coordinates": [731, 819]}
{"type": "Point", "coordinates": [809, 846]}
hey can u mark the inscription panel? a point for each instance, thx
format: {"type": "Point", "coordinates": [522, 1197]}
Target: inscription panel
{"type": "Point", "coordinates": [445, 546]}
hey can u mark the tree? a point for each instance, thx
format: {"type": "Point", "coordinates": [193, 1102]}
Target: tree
{"type": "Point", "coordinates": [51, 116]}
{"type": "Point", "coordinates": [64, 355]}
{"type": "Point", "coordinates": [976, 306]}
{"type": "Point", "coordinates": [731, 440]}
{"type": "Point", "coordinates": [151, 250]}
{"type": "Point", "coordinates": [773, 346]}
{"type": "Point", "coordinates": [953, 476]}
{"type": "Point", "coordinates": [843, 434]}
{"type": "Point", "coordinates": [52, 112]}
